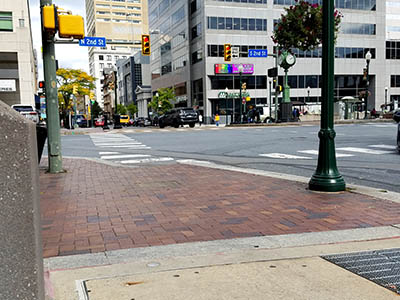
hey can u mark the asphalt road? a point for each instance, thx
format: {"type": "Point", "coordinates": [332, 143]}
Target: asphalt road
{"type": "Point", "coordinates": [366, 153]}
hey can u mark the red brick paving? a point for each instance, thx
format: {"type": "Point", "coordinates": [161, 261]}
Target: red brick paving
{"type": "Point", "coordinates": [96, 207]}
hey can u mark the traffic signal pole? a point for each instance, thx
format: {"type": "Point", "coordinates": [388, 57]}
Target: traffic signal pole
{"type": "Point", "coordinates": [53, 117]}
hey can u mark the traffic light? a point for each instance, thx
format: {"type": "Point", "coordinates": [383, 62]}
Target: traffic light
{"type": "Point", "coordinates": [227, 52]}
{"type": "Point", "coordinates": [365, 74]}
{"type": "Point", "coordinates": [41, 85]}
{"type": "Point", "coordinates": [146, 44]}
{"type": "Point", "coordinates": [278, 89]}
{"type": "Point", "coordinates": [56, 19]}
{"type": "Point", "coordinates": [75, 89]}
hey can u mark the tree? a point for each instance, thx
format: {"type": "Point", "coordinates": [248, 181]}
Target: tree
{"type": "Point", "coordinates": [67, 79]}
{"type": "Point", "coordinates": [132, 109]}
{"type": "Point", "coordinates": [121, 109]}
{"type": "Point", "coordinates": [162, 103]}
{"type": "Point", "coordinates": [301, 27]}
{"type": "Point", "coordinates": [96, 109]}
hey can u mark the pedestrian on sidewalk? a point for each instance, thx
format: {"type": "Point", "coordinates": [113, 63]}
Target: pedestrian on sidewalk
{"type": "Point", "coordinates": [216, 119]}
{"type": "Point", "coordinates": [200, 119]}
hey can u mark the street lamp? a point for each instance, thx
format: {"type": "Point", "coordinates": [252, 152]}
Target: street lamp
{"type": "Point", "coordinates": [240, 68]}
{"type": "Point", "coordinates": [386, 92]}
{"type": "Point", "coordinates": [326, 177]}
{"type": "Point", "coordinates": [368, 57]}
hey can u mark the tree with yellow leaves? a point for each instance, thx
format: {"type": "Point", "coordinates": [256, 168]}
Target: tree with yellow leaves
{"type": "Point", "coordinates": [67, 79]}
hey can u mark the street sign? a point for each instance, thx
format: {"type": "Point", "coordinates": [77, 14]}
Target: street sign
{"type": "Point", "coordinates": [258, 53]}
{"type": "Point", "coordinates": [273, 72]}
{"type": "Point", "coordinates": [90, 41]}
{"type": "Point", "coordinates": [235, 52]}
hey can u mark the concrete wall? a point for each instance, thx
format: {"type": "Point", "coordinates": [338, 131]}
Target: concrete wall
{"type": "Point", "coordinates": [21, 271]}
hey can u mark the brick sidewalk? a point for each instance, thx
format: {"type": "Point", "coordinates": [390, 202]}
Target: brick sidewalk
{"type": "Point", "coordinates": [96, 207]}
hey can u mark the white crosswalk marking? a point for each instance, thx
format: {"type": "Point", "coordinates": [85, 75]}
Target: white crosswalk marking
{"type": "Point", "coordinates": [146, 160]}
{"type": "Point", "coordinates": [364, 150]}
{"type": "Point", "coordinates": [108, 153]}
{"type": "Point", "coordinates": [282, 155]}
{"type": "Point", "coordinates": [391, 147]}
{"type": "Point", "coordinates": [315, 152]}
{"type": "Point", "coordinates": [124, 156]}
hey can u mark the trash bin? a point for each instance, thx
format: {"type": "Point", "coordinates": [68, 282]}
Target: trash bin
{"type": "Point", "coordinates": [41, 136]}
{"type": "Point", "coordinates": [117, 122]}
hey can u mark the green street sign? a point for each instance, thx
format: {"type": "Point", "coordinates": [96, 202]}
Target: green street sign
{"type": "Point", "coordinates": [224, 95]}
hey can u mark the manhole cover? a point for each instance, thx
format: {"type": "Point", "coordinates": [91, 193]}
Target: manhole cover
{"type": "Point", "coordinates": [380, 266]}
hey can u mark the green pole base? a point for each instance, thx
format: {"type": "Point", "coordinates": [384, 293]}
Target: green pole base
{"type": "Point", "coordinates": [327, 183]}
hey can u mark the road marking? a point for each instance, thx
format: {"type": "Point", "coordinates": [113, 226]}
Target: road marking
{"type": "Point", "coordinates": [282, 155]}
{"type": "Point", "coordinates": [364, 150]}
{"type": "Point", "coordinates": [315, 152]}
{"type": "Point", "coordinates": [120, 144]}
{"type": "Point", "coordinates": [125, 156]}
{"type": "Point", "coordinates": [146, 160]}
{"type": "Point", "coordinates": [108, 153]}
{"type": "Point", "coordinates": [128, 146]}
{"type": "Point", "coordinates": [391, 147]}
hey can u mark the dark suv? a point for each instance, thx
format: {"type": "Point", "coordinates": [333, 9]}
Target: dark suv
{"type": "Point", "coordinates": [179, 116]}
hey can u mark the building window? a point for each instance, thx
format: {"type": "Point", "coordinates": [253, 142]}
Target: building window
{"type": "Point", "coordinates": [348, 4]}
{"type": "Point", "coordinates": [21, 22]}
{"type": "Point", "coordinates": [194, 6]}
{"type": "Point", "coordinates": [228, 23]}
{"type": "Point", "coordinates": [178, 16]}
{"type": "Point", "coordinates": [101, 66]}
{"type": "Point", "coordinates": [196, 31]}
{"type": "Point", "coordinates": [394, 80]}
{"type": "Point", "coordinates": [6, 21]}
{"type": "Point", "coordinates": [167, 68]}
{"type": "Point", "coordinates": [358, 28]}
{"type": "Point", "coordinates": [109, 57]}
{"type": "Point", "coordinates": [101, 57]}
{"type": "Point", "coordinates": [197, 56]}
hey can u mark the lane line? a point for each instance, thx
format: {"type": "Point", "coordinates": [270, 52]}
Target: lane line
{"type": "Point", "coordinates": [284, 156]}
{"type": "Point", "coordinates": [315, 152]}
{"type": "Point", "coordinates": [146, 160]}
{"type": "Point", "coordinates": [124, 156]}
{"type": "Point", "coordinates": [108, 153]}
{"type": "Point", "coordinates": [391, 147]}
{"type": "Point", "coordinates": [364, 150]}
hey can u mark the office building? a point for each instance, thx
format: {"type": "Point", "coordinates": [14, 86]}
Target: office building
{"type": "Point", "coordinates": [18, 62]}
{"type": "Point", "coordinates": [122, 23]}
{"type": "Point", "coordinates": [188, 54]}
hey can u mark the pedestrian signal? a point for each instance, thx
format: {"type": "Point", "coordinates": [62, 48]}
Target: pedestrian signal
{"type": "Point", "coordinates": [278, 89]}
{"type": "Point", "coordinates": [146, 44]}
{"type": "Point", "coordinates": [227, 52]}
{"type": "Point", "coordinates": [41, 84]}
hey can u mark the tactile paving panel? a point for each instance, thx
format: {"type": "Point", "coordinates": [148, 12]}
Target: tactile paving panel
{"type": "Point", "coordinates": [380, 266]}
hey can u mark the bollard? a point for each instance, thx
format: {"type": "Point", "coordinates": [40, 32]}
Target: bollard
{"type": "Point", "coordinates": [21, 260]}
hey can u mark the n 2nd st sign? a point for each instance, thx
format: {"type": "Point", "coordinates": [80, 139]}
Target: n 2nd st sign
{"type": "Point", "coordinates": [93, 41]}
{"type": "Point", "coordinates": [258, 53]}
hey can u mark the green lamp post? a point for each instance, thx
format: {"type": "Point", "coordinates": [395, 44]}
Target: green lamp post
{"type": "Point", "coordinates": [327, 177]}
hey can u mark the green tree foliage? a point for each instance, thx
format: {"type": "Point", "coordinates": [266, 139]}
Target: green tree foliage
{"type": "Point", "coordinates": [301, 26]}
{"type": "Point", "coordinates": [163, 103]}
{"type": "Point", "coordinates": [121, 109]}
{"type": "Point", "coordinates": [96, 110]}
{"type": "Point", "coordinates": [132, 109]}
{"type": "Point", "coordinates": [66, 79]}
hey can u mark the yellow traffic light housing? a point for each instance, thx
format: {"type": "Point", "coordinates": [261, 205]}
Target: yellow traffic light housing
{"type": "Point", "coordinates": [70, 26]}
{"type": "Point", "coordinates": [146, 44]}
{"type": "Point", "coordinates": [75, 90]}
{"type": "Point", "coordinates": [227, 52]}
{"type": "Point", "coordinates": [49, 18]}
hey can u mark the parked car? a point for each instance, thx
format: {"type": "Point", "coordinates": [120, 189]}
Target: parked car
{"type": "Point", "coordinates": [143, 122]}
{"type": "Point", "coordinates": [99, 122]}
{"type": "Point", "coordinates": [179, 116]}
{"type": "Point", "coordinates": [396, 117]}
{"type": "Point", "coordinates": [81, 121]}
{"type": "Point", "coordinates": [124, 120]}
{"type": "Point", "coordinates": [27, 111]}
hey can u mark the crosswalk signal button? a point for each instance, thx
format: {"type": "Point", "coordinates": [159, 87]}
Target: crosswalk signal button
{"type": "Point", "coordinates": [227, 52]}
{"type": "Point", "coordinates": [146, 44]}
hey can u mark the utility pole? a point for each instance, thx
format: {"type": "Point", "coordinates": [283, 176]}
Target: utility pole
{"type": "Point", "coordinates": [53, 117]}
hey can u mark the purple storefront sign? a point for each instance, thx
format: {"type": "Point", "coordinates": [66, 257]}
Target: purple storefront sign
{"type": "Point", "coordinates": [233, 68]}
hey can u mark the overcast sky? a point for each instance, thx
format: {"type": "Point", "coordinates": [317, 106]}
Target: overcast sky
{"type": "Point", "coordinates": [69, 56]}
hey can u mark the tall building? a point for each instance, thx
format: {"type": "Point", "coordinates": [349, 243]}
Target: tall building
{"type": "Point", "coordinates": [18, 64]}
{"type": "Point", "coordinates": [188, 40]}
{"type": "Point", "coordinates": [121, 22]}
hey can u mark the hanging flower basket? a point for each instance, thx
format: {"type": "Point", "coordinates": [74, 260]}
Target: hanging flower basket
{"type": "Point", "coordinates": [301, 26]}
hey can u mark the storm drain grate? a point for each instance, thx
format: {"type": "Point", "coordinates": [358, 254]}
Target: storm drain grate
{"type": "Point", "coordinates": [380, 266]}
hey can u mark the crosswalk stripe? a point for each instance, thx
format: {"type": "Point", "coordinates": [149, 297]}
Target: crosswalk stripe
{"type": "Point", "coordinates": [315, 152]}
{"type": "Point", "coordinates": [118, 144]}
{"type": "Point", "coordinates": [391, 147]}
{"type": "Point", "coordinates": [127, 146]}
{"type": "Point", "coordinates": [146, 160]}
{"type": "Point", "coordinates": [108, 153]}
{"type": "Point", "coordinates": [124, 156]}
{"type": "Point", "coordinates": [282, 155]}
{"type": "Point", "coordinates": [364, 150]}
